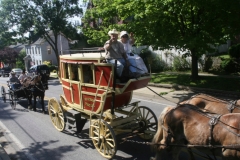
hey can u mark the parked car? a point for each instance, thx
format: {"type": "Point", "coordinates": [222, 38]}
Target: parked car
{"type": "Point", "coordinates": [40, 69]}
{"type": "Point", "coordinates": [5, 71]}
{"type": "Point", "coordinates": [17, 71]}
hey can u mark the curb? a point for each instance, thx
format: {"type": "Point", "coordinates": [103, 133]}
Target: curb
{"type": "Point", "coordinates": [214, 92]}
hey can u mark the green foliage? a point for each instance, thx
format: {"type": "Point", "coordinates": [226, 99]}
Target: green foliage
{"type": "Point", "coordinates": [8, 56]}
{"type": "Point", "coordinates": [234, 51]}
{"type": "Point", "coordinates": [208, 64]}
{"type": "Point", "coordinates": [48, 63]}
{"type": "Point", "coordinates": [20, 61]}
{"type": "Point", "coordinates": [51, 67]}
{"type": "Point", "coordinates": [229, 65]}
{"type": "Point", "coordinates": [181, 64]}
{"type": "Point", "coordinates": [152, 61]}
{"type": "Point", "coordinates": [186, 25]}
{"type": "Point", "coordinates": [39, 17]}
{"type": "Point", "coordinates": [213, 82]}
{"type": "Point", "coordinates": [205, 63]}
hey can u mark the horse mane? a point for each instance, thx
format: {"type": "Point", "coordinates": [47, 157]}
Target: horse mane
{"type": "Point", "coordinates": [159, 134]}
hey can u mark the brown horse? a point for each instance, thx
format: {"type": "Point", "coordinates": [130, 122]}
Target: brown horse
{"type": "Point", "coordinates": [189, 125]}
{"type": "Point", "coordinates": [37, 85]}
{"type": "Point", "coordinates": [213, 104]}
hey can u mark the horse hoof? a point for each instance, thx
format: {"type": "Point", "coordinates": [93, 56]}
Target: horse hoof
{"type": "Point", "coordinates": [34, 110]}
{"type": "Point", "coordinates": [30, 108]}
{"type": "Point", "coordinates": [44, 112]}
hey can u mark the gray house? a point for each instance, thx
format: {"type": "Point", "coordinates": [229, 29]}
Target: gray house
{"type": "Point", "coordinates": [40, 51]}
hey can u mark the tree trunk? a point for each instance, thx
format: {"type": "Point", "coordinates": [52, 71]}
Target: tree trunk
{"type": "Point", "coordinates": [194, 72]}
{"type": "Point", "coordinates": [56, 46]}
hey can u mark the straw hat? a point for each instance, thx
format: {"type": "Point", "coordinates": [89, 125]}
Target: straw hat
{"type": "Point", "coordinates": [123, 33]}
{"type": "Point", "coordinates": [114, 31]}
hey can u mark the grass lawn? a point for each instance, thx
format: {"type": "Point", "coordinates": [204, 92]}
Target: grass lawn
{"type": "Point", "coordinates": [210, 82]}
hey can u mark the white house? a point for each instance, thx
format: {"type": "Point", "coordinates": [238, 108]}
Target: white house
{"type": "Point", "coordinates": [40, 51]}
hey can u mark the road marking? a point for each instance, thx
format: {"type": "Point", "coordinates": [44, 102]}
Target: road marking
{"type": "Point", "coordinates": [16, 141]}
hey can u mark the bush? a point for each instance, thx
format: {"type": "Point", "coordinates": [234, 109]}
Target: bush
{"type": "Point", "coordinates": [153, 60]}
{"type": "Point", "coordinates": [51, 68]}
{"type": "Point", "coordinates": [181, 64]}
{"type": "Point", "coordinates": [234, 51]}
{"type": "Point", "coordinates": [228, 65]}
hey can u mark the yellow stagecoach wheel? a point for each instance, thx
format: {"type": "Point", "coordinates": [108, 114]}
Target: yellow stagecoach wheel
{"type": "Point", "coordinates": [56, 114]}
{"type": "Point", "coordinates": [147, 122]}
{"type": "Point", "coordinates": [103, 138]}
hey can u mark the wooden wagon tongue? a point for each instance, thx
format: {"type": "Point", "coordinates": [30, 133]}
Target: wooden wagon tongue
{"type": "Point", "coordinates": [92, 92]}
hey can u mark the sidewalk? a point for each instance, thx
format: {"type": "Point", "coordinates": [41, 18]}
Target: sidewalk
{"type": "Point", "coordinates": [178, 93]}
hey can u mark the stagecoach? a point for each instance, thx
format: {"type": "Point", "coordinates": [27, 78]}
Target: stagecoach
{"type": "Point", "coordinates": [92, 92]}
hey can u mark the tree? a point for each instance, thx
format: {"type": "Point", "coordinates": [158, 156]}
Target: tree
{"type": "Point", "coordinates": [20, 61]}
{"type": "Point", "coordinates": [187, 25]}
{"type": "Point", "coordinates": [41, 17]}
{"type": "Point", "coordinates": [8, 56]}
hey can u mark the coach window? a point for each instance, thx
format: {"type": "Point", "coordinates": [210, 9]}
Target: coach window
{"type": "Point", "coordinates": [74, 72]}
{"type": "Point", "coordinates": [87, 74]}
{"type": "Point", "coordinates": [66, 75]}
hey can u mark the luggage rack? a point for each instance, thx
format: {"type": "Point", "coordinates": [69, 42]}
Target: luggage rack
{"type": "Point", "coordinates": [84, 51]}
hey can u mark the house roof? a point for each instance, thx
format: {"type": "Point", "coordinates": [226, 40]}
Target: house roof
{"type": "Point", "coordinates": [27, 57]}
{"type": "Point", "coordinates": [18, 47]}
{"type": "Point", "coordinates": [42, 40]}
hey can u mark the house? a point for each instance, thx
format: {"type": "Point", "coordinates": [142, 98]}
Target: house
{"type": "Point", "coordinates": [40, 51]}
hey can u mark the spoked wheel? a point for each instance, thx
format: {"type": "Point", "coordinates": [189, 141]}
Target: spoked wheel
{"type": "Point", "coordinates": [13, 100]}
{"type": "Point", "coordinates": [103, 138]}
{"type": "Point", "coordinates": [56, 114]}
{"type": "Point", "coordinates": [3, 93]}
{"type": "Point", "coordinates": [147, 122]}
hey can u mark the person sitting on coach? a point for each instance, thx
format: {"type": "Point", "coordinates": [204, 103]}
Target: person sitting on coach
{"type": "Point", "coordinates": [115, 51]}
{"type": "Point", "coordinates": [14, 81]}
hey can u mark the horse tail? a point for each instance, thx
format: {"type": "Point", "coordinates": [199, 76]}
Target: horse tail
{"type": "Point", "coordinates": [159, 134]}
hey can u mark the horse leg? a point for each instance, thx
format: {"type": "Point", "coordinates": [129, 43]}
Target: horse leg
{"type": "Point", "coordinates": [42, 102]}
{"type": "Point", "coordinates": [29, 100]}
{"type": "Point", "coordinates": [34, 105]}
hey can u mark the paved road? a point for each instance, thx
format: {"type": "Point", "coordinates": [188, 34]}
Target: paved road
{"type": "Point", "coordinates": [31, 135]}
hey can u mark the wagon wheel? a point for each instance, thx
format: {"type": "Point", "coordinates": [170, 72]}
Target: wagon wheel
{"type": "Point", "coordinates": [147, 122]}
{"type": "Point", "coordinates": [13, 100]}
{"type": "Point", "coordinates": [56, 114]}
{"type": "Point", "coordinates": [103, 138]}
{"type": "Point", "coordinates": [3, 93]}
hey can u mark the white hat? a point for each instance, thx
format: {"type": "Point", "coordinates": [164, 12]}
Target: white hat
{"type": "Point", "coordinates": [13, 73]}
{"type": "Point", "coordinates": [114, 31]}
{"type": "Point", "coordinates": [123, 33]}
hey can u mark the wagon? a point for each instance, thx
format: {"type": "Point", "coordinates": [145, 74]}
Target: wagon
{"type": "Point", "coordinates": [91, 92]}
{"type": "Point", "coordinates": [14, 94]}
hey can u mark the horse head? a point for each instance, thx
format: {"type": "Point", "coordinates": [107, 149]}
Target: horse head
{"type": "Point", "coordinates": [44, 80]}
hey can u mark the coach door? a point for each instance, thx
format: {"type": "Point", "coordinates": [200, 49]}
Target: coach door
{"type": "Point", "coordinates": [75, 83]}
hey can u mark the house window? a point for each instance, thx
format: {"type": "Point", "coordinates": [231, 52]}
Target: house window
{"type": "Point", "coordinates": [40, 62]}
{"type": "Point", "coordinates": [49, 50]}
